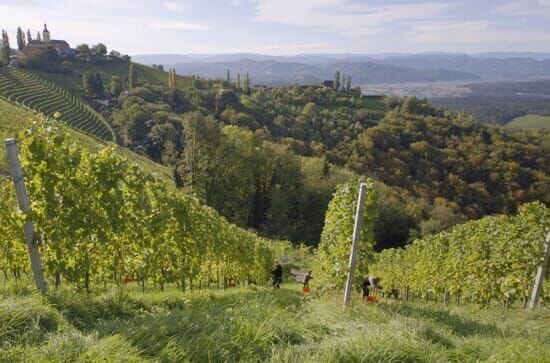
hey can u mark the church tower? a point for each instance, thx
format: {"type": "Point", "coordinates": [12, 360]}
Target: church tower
{"type": "Point", "coordinates": [45, 34]}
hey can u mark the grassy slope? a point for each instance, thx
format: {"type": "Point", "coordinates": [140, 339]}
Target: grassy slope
{"type": "Point", "coordinates": [14, 119]}
{"type": "Point", "coordinates": [73, 80]}
{"type": "Point", "coordinates": [531, 122]}
{"type": "Point", "coordinates": [256, 324]}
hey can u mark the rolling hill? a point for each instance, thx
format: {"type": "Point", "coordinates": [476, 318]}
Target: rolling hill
{"type": "Point", "coordinates": [281, 73]}
{"type": "Point", "coordinates": [145, 74]}
{"type": "Point", "coordinates": [14, 119]}
{"type": "Point", "coordinates": [33, 92]}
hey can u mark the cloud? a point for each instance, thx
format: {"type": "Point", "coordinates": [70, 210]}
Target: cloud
{"type": "Point", "coordinates": [174, 6]}
{"type": "Point", "coordinates": [342, 16]}
{"type": "Point", "coordinates": [472, 32]}
{"type": "Point", "coordinates": [179, 25]}
{"type": "Point", "coordinates": [236, 2]}
{"type": "Point", "coordinates": [525, 8]}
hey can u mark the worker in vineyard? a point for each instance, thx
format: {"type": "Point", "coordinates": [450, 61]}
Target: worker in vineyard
{"type": "Point", "coordinates": [370, 281]}
{"type": "Point", "coordinates": [307, 278]}
{"type": "Point", "coordinates": [277, 276]}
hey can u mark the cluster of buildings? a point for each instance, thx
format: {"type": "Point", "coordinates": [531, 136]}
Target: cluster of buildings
{"type": "Point", "coordinates": [35, 46]}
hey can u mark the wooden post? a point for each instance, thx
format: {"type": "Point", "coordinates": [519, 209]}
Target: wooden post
{"type": "Point", "coordinates": [537, 288]}
{"type": "Point", "coordinates": [355, 242]}
{"type": "Point", "coordinates": [24, 206]}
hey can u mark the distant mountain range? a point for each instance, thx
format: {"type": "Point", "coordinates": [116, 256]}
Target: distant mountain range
{"type": "Point", "coordinates": [364, 69]}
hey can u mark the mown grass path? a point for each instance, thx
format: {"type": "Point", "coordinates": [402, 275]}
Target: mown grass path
{"type": "Point", "coordinates": [256, 324]}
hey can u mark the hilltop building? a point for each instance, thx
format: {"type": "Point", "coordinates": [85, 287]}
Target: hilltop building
{"type": "Point", "coordinates": [36, 46]}
{"type": "Point", "coordinates": [328, 84]}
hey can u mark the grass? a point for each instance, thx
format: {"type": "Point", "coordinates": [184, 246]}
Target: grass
{"type": "Point", "coordinates": [146, 74]}
{"type": "Point", "coordinates": [15, 119]}
{"type": "Point", "coordinates": [255, 324]}
{"type": "Point", "coordinates": [531, 122]}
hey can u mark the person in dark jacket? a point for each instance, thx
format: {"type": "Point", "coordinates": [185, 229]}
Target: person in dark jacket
{"type": "Point", "coordinates": [307, 278]}
{"type": "Point", "coordinates": [372, 282]}
{"type": "Point", "coordinates": [277, 276]}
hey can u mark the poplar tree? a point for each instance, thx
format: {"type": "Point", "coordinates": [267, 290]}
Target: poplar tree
{"type": "Point", "coordinates": [238, 82]}
{"type": "Point", "coordinates": [29, 36]}
{"type": "Point", "coordinates": [38, 37]}
{"type": "Point", "coordinates": [228, 75]}
{"type": "Point", "coordinates": [20, 38]}
{"type": "Point", "coordinates": [174, 80]}
{"type": "Point", "coordinates": [348, 84]}
{"type": "Point", "coordinates": [169, 77]}
{"type": "Point", "coordinates": [5, 48]}
{"type": "Point", "coordinates": [337, 81]}
{"type": "Point", "coordinates": [131, 76]}
{"type": "Point", "coordinates": [246, 84]}
{"type": "Point", "coordinates": [116, 87]}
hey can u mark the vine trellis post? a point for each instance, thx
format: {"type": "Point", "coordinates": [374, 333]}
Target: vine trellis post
{"type": "Point", "coordinates": [355, 242]}
{"type": "Point", "coordinates": [24, 206]}
{"type": "Point", "coordinates": [537, 287]}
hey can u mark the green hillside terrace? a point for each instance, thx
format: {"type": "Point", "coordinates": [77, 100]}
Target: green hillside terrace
{"type": "Point", "coordinates": [33, 92]}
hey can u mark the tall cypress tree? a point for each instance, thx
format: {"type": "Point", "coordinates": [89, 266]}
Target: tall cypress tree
{"type": "Point", "coordinates": [131, 76]}
{"type": "Point", "coordinates": [29, 36]}
{"type": "Point", "coordinates": [246, 84]}
{"type": "Point", "coordinates": [20, 38]}
{"type": "Point", "coordinates": [238, 82]}
{"type": "Point", "coordinates": [228, 75]}
{"type": "Point", "coordinates": [337, 81]}
{"type": "Point", "coordinates": [38, 36]}
{"type": "Point", "coordinates": [174, 79]}
{"type": "Point", "coordinates": [348, 84]}
{"type": "Point", "coordinates": [5, 49]}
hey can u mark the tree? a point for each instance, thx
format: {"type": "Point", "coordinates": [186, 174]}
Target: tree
{"type": "Point", "coordinates": [337, 81]}
{"type": "Point", "coordinates": [83, 52]}
{"type": "Point", "coordinates": [88, 82]}
{"type": "Point", "coordinates": [29, 36]}
{"type": "Point", "coordinates": [38, 36]}
{"type": "Point", "coordinates": [116, 86]}
{"type": "Point", "coordinates": [100, 49]}
{"type": "Point", "coordinates": [172, 78]}
{"type": "Point", "coordinates": [246, 84]}
{"type": "Point", "coordinates": [20, 38]}
{"type": "Point", "coordinates": [131, 76]}
{"type": "Point", "coordinates": [348, 84]}
{"type": "Point", "coordinates": [238, 82]}
{"type": "Point", "coordinates": [228, 76]}
{"type": "Point", "coordinates": [5, 49]}
{"type": "Point", "coordinates": [98, 85]}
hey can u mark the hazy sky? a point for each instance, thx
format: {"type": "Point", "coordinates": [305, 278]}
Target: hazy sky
{"type": "Point", "coordinates": [288, 26]}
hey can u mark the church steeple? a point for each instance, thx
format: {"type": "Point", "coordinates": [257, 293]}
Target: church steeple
{"type": "Point", "coordinates": [46, 34]}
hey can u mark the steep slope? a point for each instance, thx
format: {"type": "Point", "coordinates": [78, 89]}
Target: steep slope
{"type": "Point", "coordinates": [14, 119]}
{"type": "Point", "coordinates": [35, 93]}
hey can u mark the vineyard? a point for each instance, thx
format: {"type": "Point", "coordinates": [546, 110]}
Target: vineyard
{"type": "Point", "coordinates": [491, 259]}
{"type": "Point", "coordinates": [38, 94]}
{"type": "Point", "coordinates": [101, 219]}
{"type": "Point", "coordinates": [140, 272]}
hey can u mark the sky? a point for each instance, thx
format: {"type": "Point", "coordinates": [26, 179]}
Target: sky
{"type": "Point", "coordinates": [286, 27]}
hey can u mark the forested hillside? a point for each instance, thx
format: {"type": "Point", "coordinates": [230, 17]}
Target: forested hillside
{"type": "Point", "coordinates": [239, 149]}
{"type": "Point", "coordinates": [270, 158]}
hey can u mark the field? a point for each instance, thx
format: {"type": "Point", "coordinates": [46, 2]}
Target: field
{"type": "Point", "coordinates": [15, 119]}
{"type": "Point", "coordinates": [256, 324]}
{"type": "Point", "coordinates": [531, 122]}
